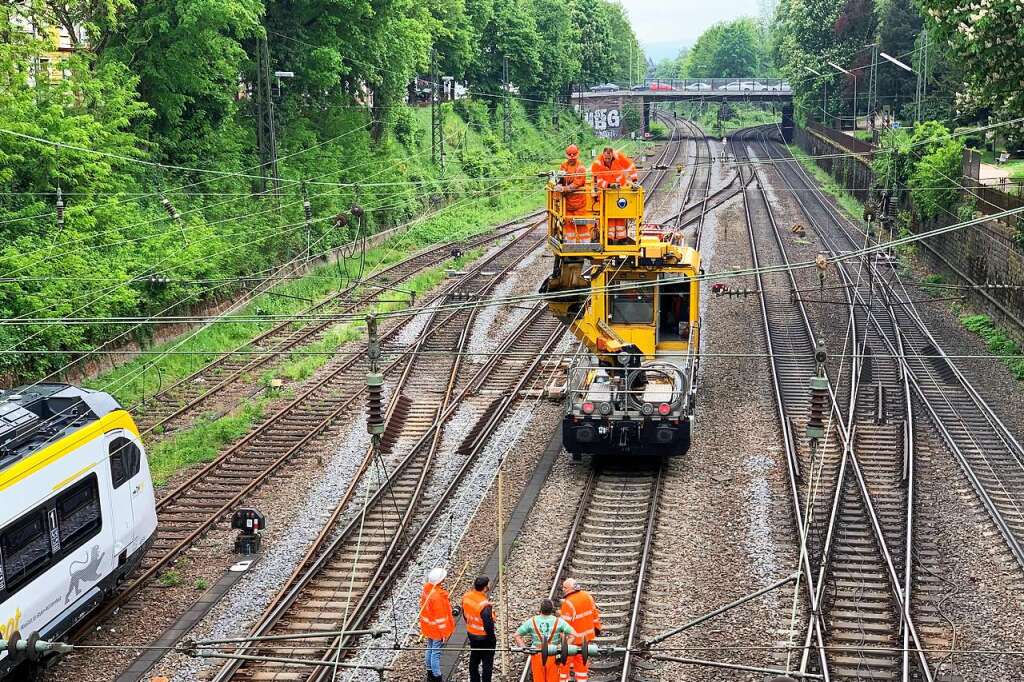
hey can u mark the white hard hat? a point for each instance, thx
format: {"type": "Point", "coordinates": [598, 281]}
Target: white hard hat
{"type": "Point", "coordinates": [436, 575]}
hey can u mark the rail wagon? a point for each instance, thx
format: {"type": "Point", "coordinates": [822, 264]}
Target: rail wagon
{"type": "Point", "coordinates": [635, 305]}
{"type": "Point", "coordinates": [76, 509]}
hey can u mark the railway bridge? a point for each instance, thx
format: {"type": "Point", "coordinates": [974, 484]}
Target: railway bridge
{"type": "Point", "coordinates": [604, 105]}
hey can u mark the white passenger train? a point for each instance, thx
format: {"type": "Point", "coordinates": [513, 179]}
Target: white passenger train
{"type": "Point", "coordinates": [76, 508]}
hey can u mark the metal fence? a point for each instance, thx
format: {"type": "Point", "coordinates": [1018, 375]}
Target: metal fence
{"type": "Point", "coordinates": [699, 85]}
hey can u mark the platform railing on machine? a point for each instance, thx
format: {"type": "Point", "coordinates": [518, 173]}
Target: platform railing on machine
{"type": "Point", "coordinates": [587, 233]}
{"type": "Point", "coordinates": [601, 391]}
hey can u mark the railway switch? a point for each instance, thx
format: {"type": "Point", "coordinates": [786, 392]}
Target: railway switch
{"type": "Point", "coordinates": [250, 523]}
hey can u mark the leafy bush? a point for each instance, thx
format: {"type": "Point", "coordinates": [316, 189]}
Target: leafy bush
{"type": "Point", "coordinates": [934, 179]}
{"type": "Point", "coordinates": [996, 340]}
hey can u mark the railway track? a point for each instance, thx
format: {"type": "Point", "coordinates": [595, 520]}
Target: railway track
{"type": "Point", "coordinates": [346, 576]}
{"type": "Point", "coordinates": [608, 551]}
{"type": "Point", "coordinates": [198, 504]}
{"type": "Point", "coordinates": [990, 455]}
{"type": "Point", "coordinates": [225, 377]}
{"type": "Point", "coordinates": [855, 486]}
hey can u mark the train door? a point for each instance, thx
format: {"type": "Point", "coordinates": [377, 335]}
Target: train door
{"type": "Point", "coordinates": [673, 314]}
{"type": "Point", "coordinates": [125, 459]}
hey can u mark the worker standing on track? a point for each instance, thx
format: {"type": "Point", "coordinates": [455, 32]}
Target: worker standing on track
{"type": "Point", "coordinates": [479, 615]}
{"type": "Point", "coordinates": [436, 621]}
{"type": "Point", "coordinates": [544, 629]}
{"type": "Point", "coordinates": [571, 182]}
{"type": "Point", "coordinates": [614, 169]}
{"type": "Point", "coordinates": [580, 611]}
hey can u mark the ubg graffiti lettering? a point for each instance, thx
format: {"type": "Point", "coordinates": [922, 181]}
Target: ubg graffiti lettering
{"type": "Point", "coordinates": [604, 119]}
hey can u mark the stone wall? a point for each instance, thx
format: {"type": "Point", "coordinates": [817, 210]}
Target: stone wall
{"type": "Point", "coordinates": [983, 254]}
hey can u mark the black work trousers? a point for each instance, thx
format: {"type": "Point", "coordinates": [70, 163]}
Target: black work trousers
{"type": "Point", "coordinates": [481, 659]}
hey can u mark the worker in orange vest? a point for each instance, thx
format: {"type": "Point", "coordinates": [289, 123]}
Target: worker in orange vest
{"type": "Point", "coordinates": [571, 182]}
{"type": "Point", "coordinates": [544, 629]}
{"type": "Point", "coordinates": [479, 616]}
{"type": "Point", "coordinates": [436, 621]}
{"type": "Point", "coordinates": [580, 611]}
{"type": "Point", "coordinates": [614, 169]}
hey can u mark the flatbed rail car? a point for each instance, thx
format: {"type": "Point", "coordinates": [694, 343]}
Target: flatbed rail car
{"type": "Point", "coordinates": [77, 510]}
{"type": "Point", "coordinates": [634, 302]}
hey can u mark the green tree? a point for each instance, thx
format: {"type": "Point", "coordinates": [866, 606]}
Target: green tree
{"type": "Point", "coordinates": [188, 57]}
{"type": "Point", "coordinates": [728, 50]}
{"type": "Point", "coordinates": [510, 32]}
{"type": "Point", "coordinates": [986, 39]}
{"type": "Point", "coordinates": [559, 48]}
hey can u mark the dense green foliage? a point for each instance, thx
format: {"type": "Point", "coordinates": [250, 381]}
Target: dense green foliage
{"type": "Point", "coordinates": [159, 104]}
{"type": "Point", "coordinates": [987, 39]}
{"type": "Point", "coordinates": [728, 50]}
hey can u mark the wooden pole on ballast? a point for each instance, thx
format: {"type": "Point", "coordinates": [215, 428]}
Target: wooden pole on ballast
{"type": "Point", "coordinates": [502, 604]}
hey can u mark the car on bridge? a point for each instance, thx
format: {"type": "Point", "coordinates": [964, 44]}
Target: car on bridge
{"type": "Point", "coordinates": [697, 86]}
{"type": "Point", "coordinates": [605, 87]}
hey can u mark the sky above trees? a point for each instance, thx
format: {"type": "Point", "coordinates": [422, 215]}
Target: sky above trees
{"type": "Point", "coordinates": [682, 21]}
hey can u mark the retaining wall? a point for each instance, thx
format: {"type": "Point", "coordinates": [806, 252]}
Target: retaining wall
{"type": "Point", "coordinates": [984, 254]}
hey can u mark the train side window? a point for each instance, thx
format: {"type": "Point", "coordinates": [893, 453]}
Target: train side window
{"type": "Point", "coordinates": [78, 513]}
{"type": "Point", "coordinates": [25, 548]}
{"type": "Point", "coordinates": [125, 461]}
{"type": "Point", "coordinates": [632, 307]}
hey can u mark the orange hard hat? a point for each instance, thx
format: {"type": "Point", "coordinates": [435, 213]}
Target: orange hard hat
{"type": "Point", "coordinates": [572, 150]}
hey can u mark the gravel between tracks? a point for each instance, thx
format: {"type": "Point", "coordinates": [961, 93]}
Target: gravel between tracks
{"type": "Point", "coordinates": [724, 527]}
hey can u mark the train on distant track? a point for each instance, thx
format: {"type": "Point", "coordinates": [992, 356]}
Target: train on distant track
{"type": "Point", "coordinates": [634, 303]}
{"type": "Point", "coordinates": [77, 510]}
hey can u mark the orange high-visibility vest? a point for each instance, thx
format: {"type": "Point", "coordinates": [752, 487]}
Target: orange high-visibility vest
{"type": "Point", "coordinates": [436, 620]}
{"type": "Point", "coordinates": [575, 179]}
{"type": "Point", "coordinates": [621, 171]}
{"type": "Point", "coordinates": [581, 612]}
{"type": "Point", "coordinates": [473, 604]}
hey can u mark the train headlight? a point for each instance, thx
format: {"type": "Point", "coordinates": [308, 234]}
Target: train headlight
{"type": "Point", "coordinates": [606, 409]}
{"type": "Point", "coordinates": [588, 408]}
{"type": "Point", "coordinates": [664, 409]}
{"type": "Point", "coordinates": [647, 409]}
{"type": "Point", "coordinates": [622, 202]}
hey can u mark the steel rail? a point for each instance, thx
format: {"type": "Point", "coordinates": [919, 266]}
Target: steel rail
{"type": "Point", "coordinates": [815, 630]}
{"type": "Point", "coordinates": [429, 257]}
{"type": "Point", "coordinates": [324, 548]}
{"type": "Point", "coordinates": [898, 584]}
{"type": "Point", "coordinates": [509, 399]}
{"type": "Point", "coordinates": [196, 531]}
{"type": "Point", "coordinates": [926, 384]}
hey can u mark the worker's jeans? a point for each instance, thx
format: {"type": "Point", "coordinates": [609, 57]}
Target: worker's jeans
{"type": "Point", "coordinates": [434, 656]}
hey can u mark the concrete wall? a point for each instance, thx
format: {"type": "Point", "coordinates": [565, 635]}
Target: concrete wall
{"type": "Point", "coordinates": [984, 254]}
{"type": "Point", "coordinates": [606, 116]}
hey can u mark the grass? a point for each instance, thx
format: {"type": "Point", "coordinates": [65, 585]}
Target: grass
{"type": "Point", "coordinates": [997, 341]}
{"type": "Point", "coordinates": [170, 578]}
{"type": "Point", "coordinates": [203, 440]}
{"type": "Point", "coordinates": [1015, 167]}
{"type": "Point", "coordinates": [314, 356]}
{"type": "Point", "coordinates": [847, 202]}
{"type": "Point", "coordinates": [929, 284]}
{"type": "Point", "coordinates": [144, 376]}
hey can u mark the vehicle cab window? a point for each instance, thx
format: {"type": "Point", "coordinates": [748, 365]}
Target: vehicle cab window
{"type": "Point", "coordinates": [125, 461]}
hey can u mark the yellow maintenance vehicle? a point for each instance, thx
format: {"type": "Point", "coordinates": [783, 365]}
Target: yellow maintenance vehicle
{"type": "Point", "coordinates": [629, 292]}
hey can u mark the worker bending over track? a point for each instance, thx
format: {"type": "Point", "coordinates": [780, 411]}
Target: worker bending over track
{"type": "Point", "coordinates": [544, 629]}
{"type": "Point", "coordinates": [614, 169]}
{"type": "Point", "coordinates": [436, 621]}
{"type": "Point", "coordinates": [580, 611]}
